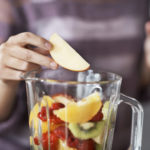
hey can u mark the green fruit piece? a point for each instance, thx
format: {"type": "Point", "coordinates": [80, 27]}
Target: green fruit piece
{"type": "Point", "coordinates": [99, 139]}
{"type": "Point", "coordinates": [105, 110]}
{"type": "Point", "coordinates": [86, 133]}
{"type": "Point", "coordinates": [98, 147]}
{"type": "Point", "coordinates": [111, 118]}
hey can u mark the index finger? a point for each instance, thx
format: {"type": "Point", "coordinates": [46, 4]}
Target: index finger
{"type": "Point", "coordinates": [30, 38]}
{"type": "Point", "coordinates": [31, 56]}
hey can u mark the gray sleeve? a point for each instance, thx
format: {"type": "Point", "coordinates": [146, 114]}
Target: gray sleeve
{"type": "Point", "coordinates": [19, 110]}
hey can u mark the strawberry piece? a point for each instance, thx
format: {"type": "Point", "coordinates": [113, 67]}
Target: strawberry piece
{"type": "Point", "coordinates": [42, 114]}
{"type": "Point", "coordinates": [97, 117]}
{"type": "Point", "coordinates": [53, 118]}
{"type": "Point", "coordinates": [72, 141]}
{"type": "Point", "coordinates": [53, 141]}
{"type": "Point", "coordinates": [60, 132]}
{"type": "Point", "coordinates": [56, 106]}
{"type": "Point", "coordinates": [64, 133]}
{"type": "Point", "coordinates": [86, 145]}
{"type": "Point", "coordinates": [36, 141]}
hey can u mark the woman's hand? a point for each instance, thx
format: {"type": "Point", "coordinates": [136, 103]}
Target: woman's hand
{"type": "Point", "coordinates": [21, 53]}
{"type": "Point", "coordinates": [16, 58]}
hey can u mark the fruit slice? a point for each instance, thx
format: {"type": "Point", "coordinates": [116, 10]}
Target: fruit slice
{"type": "Point", "coordinates": [33, 115]}
{"type": "Point", "coordinates": [82, 111]}
{"type": "Point", "coordinates": [62, 98]}
{"type": "Point", "coordinates": [99, 139]}
{"type": "Point", "coordinates": [47, 100]}
{"type": "Point", "coordinates": [35, 147]}
{"type": "Point", "coordinates": [34, 119]}
{"type": "Point", "coordinates": [52, 142]}
{"type": "Point", "coordinates": [63, 146]}
{"type": "Point", "coordinates": [98, 147]}
{"type": "Point", "coordinates": [34, 112]}
{"type": "Point", "coordinates": [105, 110]}
{"type": "Point", "coordinates": [79, 132]}
{"type": "Point", "coordinates": [66, 56]}
{"type": "Point", "coordinates": [109, 114]}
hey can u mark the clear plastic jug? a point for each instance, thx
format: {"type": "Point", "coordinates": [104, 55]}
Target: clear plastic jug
{"type": "Point", "coordinates": [77, 111]}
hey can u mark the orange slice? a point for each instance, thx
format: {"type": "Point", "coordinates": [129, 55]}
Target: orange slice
{"type": "Point", "coordinates": [82, 111]}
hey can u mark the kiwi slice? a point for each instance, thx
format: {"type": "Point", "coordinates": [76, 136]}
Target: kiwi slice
{"type": "Point", "coordinates": [98, 147]}
{"type": "Point", "coordinates": [87, 130]}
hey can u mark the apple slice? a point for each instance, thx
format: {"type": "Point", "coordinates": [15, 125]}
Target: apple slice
{"type": "Point", "coordinates": [66, 56]}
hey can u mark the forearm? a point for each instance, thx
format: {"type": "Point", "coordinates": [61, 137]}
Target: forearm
{"type": "Point", "coordinates": [7, 98]}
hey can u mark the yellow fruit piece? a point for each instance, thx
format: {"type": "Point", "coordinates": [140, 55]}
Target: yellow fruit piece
{"type": "Point", "coordinates": [52, 126]}
{"type": "Point", "coordinates": [33, 118]}
{"type": "Point", "coordinates": [63, 146]}
{"type": "Point", "coordinates": [36, 109]}
{"type": "Point", "coordinates": [82, 111]}
{"type": "Point", "coordinates": [47, 100]}
{"type": "Point", "coordinates": [31, 140]}
{"type": "Point", "coordinates": [44, 127]}
{"type": "Point", "coordinates": [34, 121]}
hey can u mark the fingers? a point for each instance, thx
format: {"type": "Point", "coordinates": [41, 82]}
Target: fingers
{"type": "Point", "coordinates": [10, 74]}
{"type": "Point", "coordinates": [18, 64]}
{"type": "Point", "coordinates": [37, 49]}
{"type": "Point", "coordinates": [24, 52]}
{"type": "Point", "coordinates": [30, 56]}
{"type": "Point", "coordinates": [29, 38]}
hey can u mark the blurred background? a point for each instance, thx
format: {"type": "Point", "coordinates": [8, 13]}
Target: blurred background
{"type": "Point", "coordinates": [110, 34]}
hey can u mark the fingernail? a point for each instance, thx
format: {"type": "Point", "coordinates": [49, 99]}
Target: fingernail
{"type": "Point", "coordinates": [53, 65]}
{"type": "Point", "coordinates": [48, 46]}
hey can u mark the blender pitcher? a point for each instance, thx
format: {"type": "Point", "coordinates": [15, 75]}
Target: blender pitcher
{"type": "Point", "coordinates": [77, 111]}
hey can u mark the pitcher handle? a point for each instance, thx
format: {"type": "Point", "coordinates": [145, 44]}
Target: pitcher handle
{"type": "Point", "coordinates": [137, 121]}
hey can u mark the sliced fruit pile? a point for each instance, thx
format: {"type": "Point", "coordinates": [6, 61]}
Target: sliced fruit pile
{"type": "Point", "coordinates": [71, 125]}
